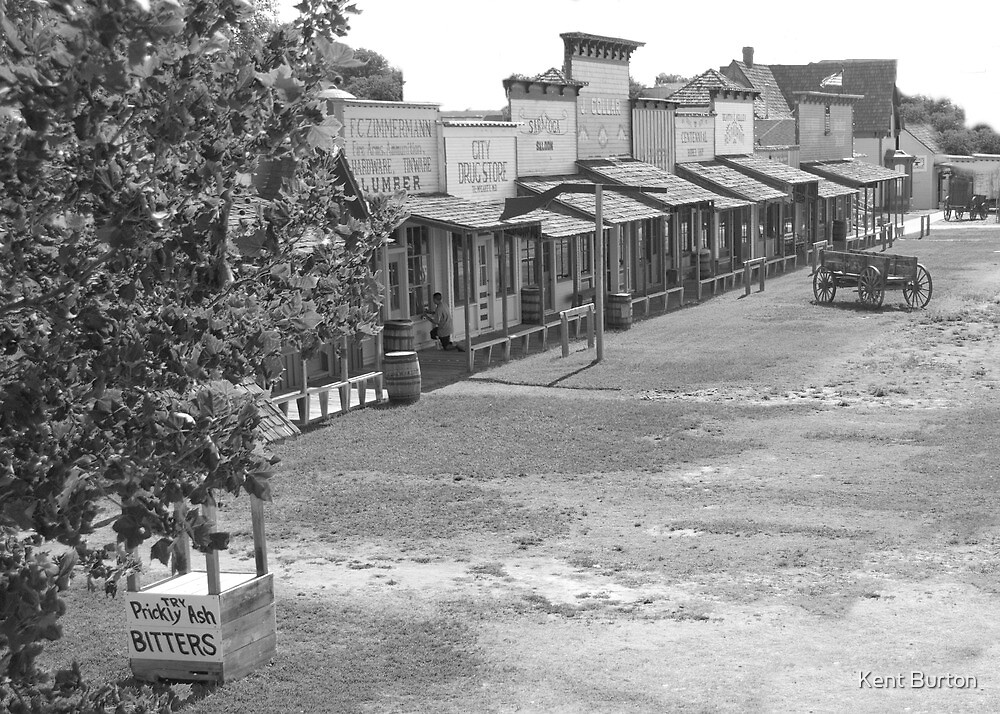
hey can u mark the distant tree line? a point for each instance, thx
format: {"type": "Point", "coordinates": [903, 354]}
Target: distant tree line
{"type": "Point", "coordinates": [948, 121]}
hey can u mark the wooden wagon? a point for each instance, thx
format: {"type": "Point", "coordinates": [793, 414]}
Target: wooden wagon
{"type": "Point", "coordinates": [872, 274]}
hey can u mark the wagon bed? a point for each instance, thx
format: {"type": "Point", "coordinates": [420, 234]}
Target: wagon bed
{"type": "Point", "coordinates": [872, 274]}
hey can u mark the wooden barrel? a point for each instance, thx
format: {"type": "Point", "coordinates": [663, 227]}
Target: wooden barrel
{"type": "Point", "coordinates": [707, 267]}
{"type": "Point", "coordinates": [402, 376]}
{"type": "Point", "coordinates": [618, 311]}
{"type": "Point", "coordinates": [398, 336]}
{"type": "Point", "coordinates": [531, 305]}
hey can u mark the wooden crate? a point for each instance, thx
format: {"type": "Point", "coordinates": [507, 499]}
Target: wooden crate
{"type": "Point", "coordinates": [204, 625]}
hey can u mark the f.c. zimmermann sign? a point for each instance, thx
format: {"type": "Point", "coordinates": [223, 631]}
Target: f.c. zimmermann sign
{"type": "Point", "coordinates": [392, 147]}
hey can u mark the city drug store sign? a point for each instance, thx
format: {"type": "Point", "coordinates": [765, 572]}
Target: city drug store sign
{"type": "Point", "coordinates": [174, 627]}
{"type": "Point", "coordinates": [391, 146]}
{"type": "Point", "coordinates": [481, 161]}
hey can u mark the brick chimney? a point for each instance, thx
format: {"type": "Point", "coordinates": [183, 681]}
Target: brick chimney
{"type": "Point", "coordinates": [748, 56]}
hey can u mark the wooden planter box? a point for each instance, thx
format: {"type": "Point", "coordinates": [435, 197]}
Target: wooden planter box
{"type": "Point", "coordinates": [204, 625]}
{"type": "Point", "coordinates": [177, 631]}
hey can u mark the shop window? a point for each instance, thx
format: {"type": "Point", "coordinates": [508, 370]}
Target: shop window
{"type": "Point", "coordinates": [505, 283]}
{"type": "Point", "coordinates": [586, 254]}
{"type": "Point", "coordinates": [826, 121]}
{"type": "Point", "coordinates": [417, 264]}
{"type": "Point", "coordinates": [528, 260]}
{"type": "Point", "coordinates": [686, 239]}
{"type": "Point", "coordinates": [563, 259]}
{"type": "Point", "coordinates": [393, 285]}
{"type": "Point", "coordinates": [458, 268]}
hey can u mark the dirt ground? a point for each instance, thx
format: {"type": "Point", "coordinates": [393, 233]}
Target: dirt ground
{"type": "Point", "coordinates": [811, 528]}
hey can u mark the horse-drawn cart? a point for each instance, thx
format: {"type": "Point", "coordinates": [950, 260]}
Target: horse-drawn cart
{"type": "Point", "coordinates": [872, 274]}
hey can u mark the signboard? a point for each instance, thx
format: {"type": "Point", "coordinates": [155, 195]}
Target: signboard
{"type": "Point", "coordinates": [546, 138]}
{"type": "Point", "coordinates": [920, 163]}
{"type": "Point", "coordinates": [695, 138]}
{"type": "Point", "coordinates": [481, 167]}
{"type": "Point", "coordinates": [733, 128]}
{"type": "Point", "coordinates": [174, 627]}
{"type": "Point", "coordinates": [392, 146]}
{"type": "Point", "coordinates": [603, 111]}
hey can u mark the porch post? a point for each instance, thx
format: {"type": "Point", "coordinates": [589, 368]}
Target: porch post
{"type": "Point", "coordinates": [469, 282]}
{"type": "Point", "coordinates": [599, 270]}
{"type": "Point", "coordinates": [503, 279]}
{"type": "Point", "coordinates": [574, 268]}
{"type": "Point", "coordinates": [539, 275]}
{"type": "Point", "coordinates": [664, 242]}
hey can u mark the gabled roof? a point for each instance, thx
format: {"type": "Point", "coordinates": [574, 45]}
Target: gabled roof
{"type": "Point", "coordinates": [873, 78]}
{"type": "Point", "coordinates": [926, 135]}
{"type": "Point", "coordinates": [698, 92]}
{"type": "Point", "coordinates": [638, 173]}
{"type": "Point", "coordinates": [773, 170]}
{"type": "Point", "coordinates": [771, 103]}
{"type": "Point", "coordinates": [732, 181]}
{"type": "Point", "coordinates": [852, 173]}
{"type": "Point", "coordinates": [459, 214]}
{"type": "Point", "coordinates": [616, 208]}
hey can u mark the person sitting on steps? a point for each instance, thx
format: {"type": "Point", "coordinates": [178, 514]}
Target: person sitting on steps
{"type": "Point", "coordinates": [441, 319]}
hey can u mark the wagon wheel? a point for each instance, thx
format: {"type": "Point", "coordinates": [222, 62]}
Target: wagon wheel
{"type": "Point", "coordinates": [918, 292]}
{"type": "Point", "coordinates": [947, 214]}
{"type": "Point", "coordinates": [870, 287]}
{"type": "Point", "coordinates": [959, 213]}
{"type": "Point", "coordinates": [824, 286]}
{"type": "Point", "coordinates": [983, 211]}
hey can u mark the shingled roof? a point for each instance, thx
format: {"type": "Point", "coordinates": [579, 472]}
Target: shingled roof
{"type": "Point", "coordinates": [698, 92]}
{"type": "Point", "coordinates": [773, 170]}
{"type": "Point", "coordinates": [638, 173]}
{"type": "Point", "coordinates": [458, 214]}
{"type": "Point", "coordinates": [832, 189]}
{"type": "Point", "coordinates": [852, 173]}
{"type": "Point", "coordinates": [616, 208]}
{"type": "Point", "coordinates": [555, 225]}
{"type": "Point", "coordinates": [770, 103]}
{"type": "Point", "coordinates": [926, 135]}
{"type": "Point", "coordinates": [873, 78]}
{"type": "Point", "coordinates": [730, 180]}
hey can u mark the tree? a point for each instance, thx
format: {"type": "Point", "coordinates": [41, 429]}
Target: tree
{"type": "Point", "coordinates": [664, 78]}
{"type": "Point", "coordinates": [634, 88]}
{"type": "Point", "coordinates": [374, 78]}
{"type": "Point", "coordinates": [130, 311]}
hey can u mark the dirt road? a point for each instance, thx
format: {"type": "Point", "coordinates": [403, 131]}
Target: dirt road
{"type": "Point", "coordinates": [756, 504]}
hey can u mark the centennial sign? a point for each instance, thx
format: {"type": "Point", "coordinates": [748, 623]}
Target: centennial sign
{"type": "Point", "coordinates": [695, 138]}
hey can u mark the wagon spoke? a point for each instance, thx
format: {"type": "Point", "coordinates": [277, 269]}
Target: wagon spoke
{"type": "Point", "coordinates": [918, 292]}
{"type": "Point", "coordinates": [870, 288]}
{"type": "Point", "coordinates": [824, 286]}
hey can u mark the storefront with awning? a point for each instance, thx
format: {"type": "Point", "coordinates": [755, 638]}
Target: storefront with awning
{"type": "Point", "coordinates": [463, 250]}
{"type": "Point", "coordinates": [877, 185]}
{"type": "Point", "coordinates": [798, 217]}
{"type": "Point", "coordinates": [637, 253]}
{"type": "Point", "coordinates": [767, 205]}
{"type": "Point", "coordinates": [723, 220]}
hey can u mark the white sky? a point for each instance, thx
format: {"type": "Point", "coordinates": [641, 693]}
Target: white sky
{"type": "Point", "coordinates": [456, 53]}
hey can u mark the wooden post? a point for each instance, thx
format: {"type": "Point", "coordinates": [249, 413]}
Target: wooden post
{"type": "Point", "coordinates": [565, 334]}
{"type": "Point", "coordinates": [345, 374]}
{"type": "Point", "coordinates": [210, 509]}
{"type": "Point", "coordinates": [182, 551]}
{"type": "Point", "coordinates": [503, 280]}
{"type": "Point", "coordinates": [259, 544]}
{"type": "Point", "coordinates": [469, 288]}
{"type": "Point", "coordinates": [590, 326]}
{"type": "Point", "coordinates": [599, 268]}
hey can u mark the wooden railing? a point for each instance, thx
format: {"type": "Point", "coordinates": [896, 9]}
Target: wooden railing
{"type": "Point", "coordinates": [352, 392]}
{"type": "Point", "coordinates": [576, 315]}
